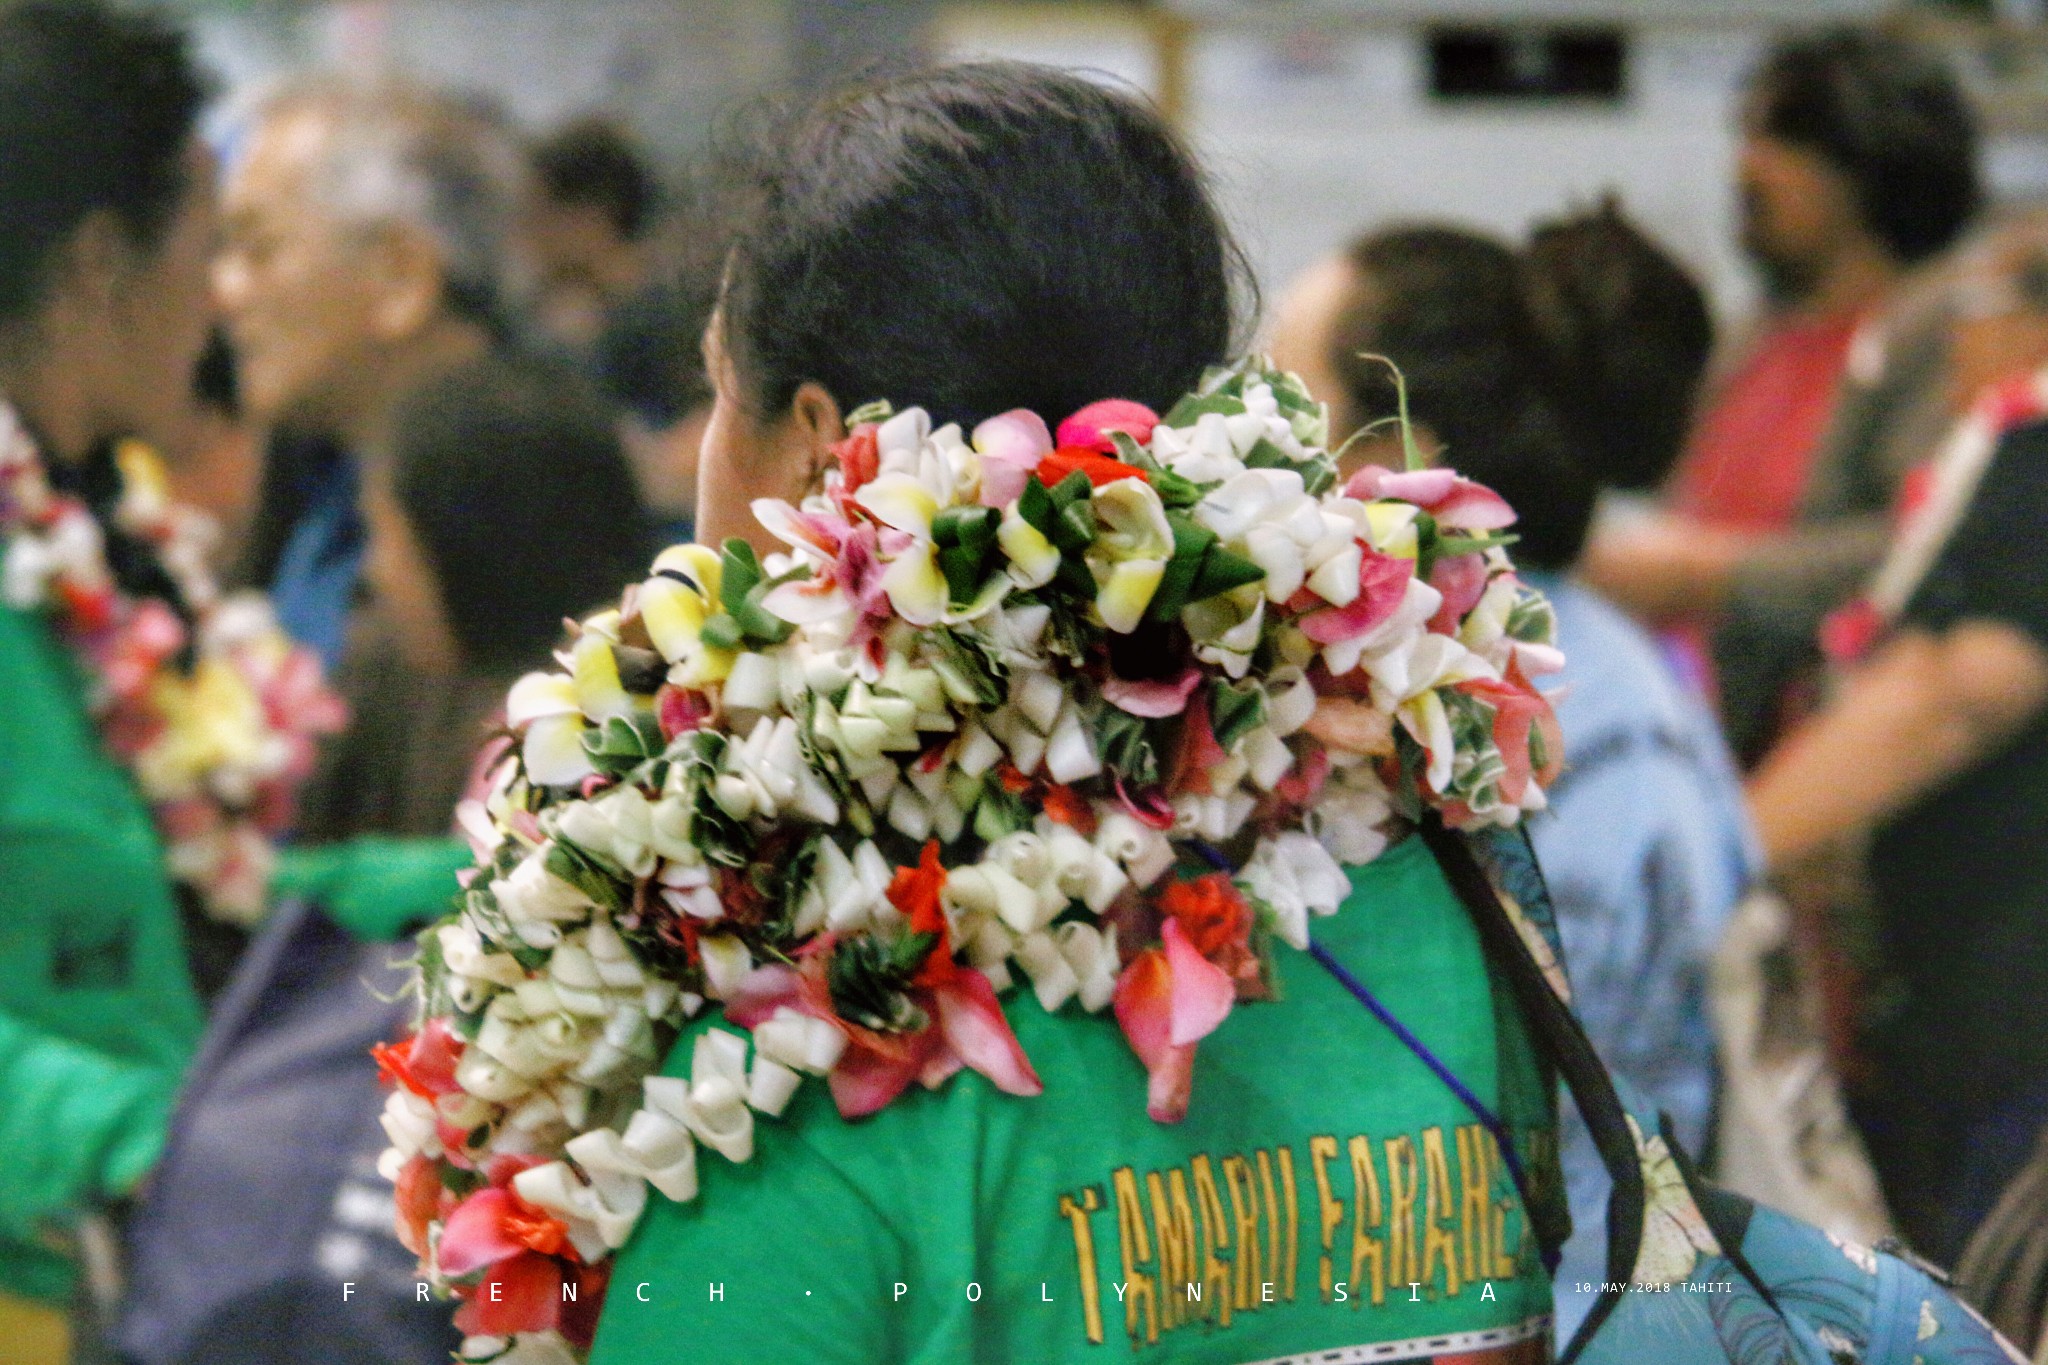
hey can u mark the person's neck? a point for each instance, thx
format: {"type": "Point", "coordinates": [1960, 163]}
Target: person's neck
{"type": "Point", "coordinates": [50, 390]}
{"type": "Point", "coordinates": [1858, 278]}
{"type": "Point", "coordinates": [442, 345]}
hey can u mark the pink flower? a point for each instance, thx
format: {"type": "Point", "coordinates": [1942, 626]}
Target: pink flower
{"type": "Point", "coordinates": [1011, 446]}
{"type": "Point", "coordinates": [1462, 581]}
{"type": "Point", "coordinates": [1456, 503]}
{"type": "Point", "coordinates": [1092, 425]}
{"type": "Point", "coordinates": [1382, 585]}
{"type": "Point", "coordinates": [1519, 709]}
{"type": "Point", "coordinates": [1167, 1000]}
{"type": "Point", "coordinates": [1151, 699]}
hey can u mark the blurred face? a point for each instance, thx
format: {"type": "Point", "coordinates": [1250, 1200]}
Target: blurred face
{"type": "Point", "coordinates": [1798, 213]}
{"type": "Point", "coordinates": [585, 267]}
{"type": "Point", "coordinates": [159, 314]}
{"type": "Point", "coordinates": [745, 457]}
{"type": "Point", "coordinates": [299, 287]}
{"type": "Point", "coordinates": [404, 584]}
{"type": "Point", "coordinates": [1305, 331]}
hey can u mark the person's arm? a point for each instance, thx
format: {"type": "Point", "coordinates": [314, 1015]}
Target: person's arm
{"type": "Point", "coordinates": [1927, 707]}
{"type": "Point", "coordinates": [79, 1127]}
{"type": "Point", "coordinates": [1665, 568]}
{"type": "Point", "coordinates": [374, 886]}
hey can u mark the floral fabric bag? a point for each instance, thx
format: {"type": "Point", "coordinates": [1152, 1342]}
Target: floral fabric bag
{"type": "Point", "coordinates": [1695, 1274]}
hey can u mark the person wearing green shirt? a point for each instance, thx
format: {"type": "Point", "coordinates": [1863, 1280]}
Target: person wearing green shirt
{"type": "Point", "coordinates": [997, 236]}
{"type": "Point", "coordinates": [105, 223]}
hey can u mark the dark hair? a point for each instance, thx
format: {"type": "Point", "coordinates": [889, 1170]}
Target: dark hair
{"type": "Point", "coordinates": [1447, 306]}
{"type": "Point", "coordinates": [593, 162]}
{"type": "Point", "coordinates": [510, 473]}
{"type": "Point", "coordinates": [980, 237]}
{"type": "Point", "coordinates": [1628, 335]}
{"type": "Point", "coordinates": [97, 108]}
{"type": "Point", "coordinates": [1890, 117]}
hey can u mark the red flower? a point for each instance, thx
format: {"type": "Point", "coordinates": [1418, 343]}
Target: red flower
{"type": "Point", "coordinates": [1099, 468]}
{"type": "Point", "coordinates": [1218, 923]}
{"type": "Point", "coordinates": [915, 891]}
{"type": "Point", "coordinates": [423, 1063]}
{"type": "Point", "coordinates": [859, 459]}
{"type": "Point", "coordinates": [1069, 808]}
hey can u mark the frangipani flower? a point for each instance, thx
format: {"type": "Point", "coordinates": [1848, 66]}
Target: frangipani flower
{"type": "Point", "coordinates": [674, 604]}
{"type": "Point", "coordinates": [1011, 445]}
{"type": "Point", "coordinates": [1457, 503]}
{"type": "Point", "coordinates": [1129, 554]}
{"type": "Point", "coordinates": [544, 706]}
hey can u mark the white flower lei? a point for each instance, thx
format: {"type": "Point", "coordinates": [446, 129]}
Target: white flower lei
{"type": "Point", "coordinates": [721, 799]}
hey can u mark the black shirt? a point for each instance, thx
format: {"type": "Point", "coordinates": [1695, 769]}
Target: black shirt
{"type": "Point", "coordinates": [1961, 878]}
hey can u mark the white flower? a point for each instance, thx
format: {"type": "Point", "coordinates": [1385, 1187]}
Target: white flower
{"type": "Point", "coordinates": [1351, 816]}
{"type": "Point", "coordinates": [1294, 875]}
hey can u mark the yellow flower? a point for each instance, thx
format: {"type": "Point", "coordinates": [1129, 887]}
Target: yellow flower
{"type": "Point", "coordinates": [1128, 557]}
{"type": "Point", "coordinates": [674, 612]}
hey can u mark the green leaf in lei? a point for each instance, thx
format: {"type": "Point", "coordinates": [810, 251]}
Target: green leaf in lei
{"type": "Point", "coordinates": [967, 666]}
{"type": "Point", "coordinates": [570, 863]}
{"type": "Point", "coordinates": [1190, 409]}
{"type": "Point", "coordinates": [623, 743]}
{"type": "Point", "coordinates": [868, 975]}
{"type": "Point", "coordinates": [740, 590]}
{"type": "Point", "coordinates": [967, 550]}
{"type": "Point", "coordinates": [1235, 710]}
{"type": "Point", "coordinates": [1126, 745]}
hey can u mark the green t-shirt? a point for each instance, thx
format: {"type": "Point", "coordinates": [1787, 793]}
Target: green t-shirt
{"type": "Point", "coordinates": [1325, 1193]}
{"type": "Point", "coordinates": [97, 1015]}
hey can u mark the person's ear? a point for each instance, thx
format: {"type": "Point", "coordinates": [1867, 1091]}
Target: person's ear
{"type": "Point", "coordinates": [411, 281]}
{"type": "Point", "coordinates": [818, 424]}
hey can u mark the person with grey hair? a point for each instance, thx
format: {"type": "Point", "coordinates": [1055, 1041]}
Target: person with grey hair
{"type": "Point", "coordinates": [370, 244]}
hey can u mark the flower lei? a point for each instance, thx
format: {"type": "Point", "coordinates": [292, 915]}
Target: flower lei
{"type": "Point", "coordinates": [216, 723]}
{"type": "Point", "coordinates": [943, 746]}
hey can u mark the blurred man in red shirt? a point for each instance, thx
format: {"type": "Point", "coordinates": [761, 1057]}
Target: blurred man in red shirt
{"type": "Point", "coordinates": [1858, 161]}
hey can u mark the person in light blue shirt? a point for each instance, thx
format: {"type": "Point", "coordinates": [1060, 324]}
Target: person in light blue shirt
{"type": "Point", "coordinates": [1551, 375]}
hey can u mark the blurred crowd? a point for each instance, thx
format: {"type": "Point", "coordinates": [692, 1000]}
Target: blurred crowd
{"type": "Point", "coordinates": [443, 387]}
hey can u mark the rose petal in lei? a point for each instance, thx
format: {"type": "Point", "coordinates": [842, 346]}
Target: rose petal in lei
{"type": "Point", "coordinates": [1151, 699]}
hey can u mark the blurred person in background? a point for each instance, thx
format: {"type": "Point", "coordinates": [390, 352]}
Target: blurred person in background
{"type": "Point", "coordinates": [650, 361]}
{"type": "Point", "coordinates": [504, 505]}
{"type": "Point", "coordinates": [1548, 376]}
{"type": "Point", "coordinates": [1934, 752]}
{"type": "Point", "coordinates": [597, 206]}
{"type": "Point", "coordinates": [370, 245]}
{"type": "Point", "coordinates": [106, 219]}
{"type": "Point", "coordinates": [212, 455]}
{"type": "Point", "coordinates": [1857, 162]}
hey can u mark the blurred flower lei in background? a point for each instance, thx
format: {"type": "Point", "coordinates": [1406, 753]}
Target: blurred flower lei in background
{"type": "Point", "coordinates": [212, 710]}
{"type": "Point", "coordinates": [961, 737]}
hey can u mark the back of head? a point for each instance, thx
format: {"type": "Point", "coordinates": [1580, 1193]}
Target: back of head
{"type": "Point", "coordinates": [396, 154]}
{"type": "Point", "coordinates": [97, 108]}
{"type": "Point", "coordinates": [592, 163]}
{"type": "Point", "coordinates": [976, 238]}
{"type": "Point", "coordinates": [1447, 306]}
{"type": "Point", "coordinates": [1627, 334]}
{"type": "Point", "coordinates": [1890, 117]}
{"type": "Point", "coordinates": [512, 478]}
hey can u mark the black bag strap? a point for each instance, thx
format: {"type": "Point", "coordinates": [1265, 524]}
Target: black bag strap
{"type": "Point", "coordinates": [1563, 1040]}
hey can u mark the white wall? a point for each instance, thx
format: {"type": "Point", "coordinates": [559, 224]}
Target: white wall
{"type": "Point", "coordinates": [1316, 134]}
